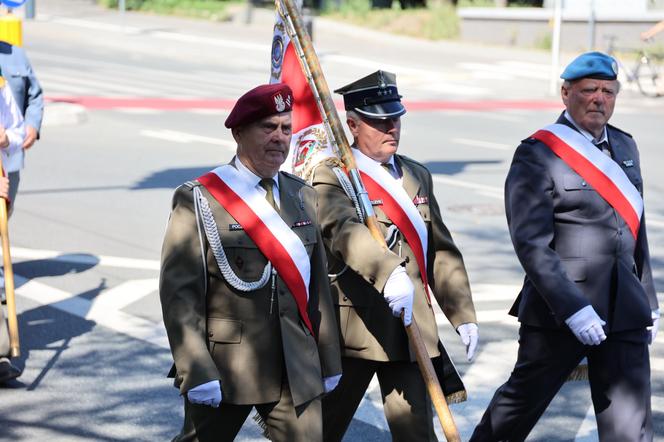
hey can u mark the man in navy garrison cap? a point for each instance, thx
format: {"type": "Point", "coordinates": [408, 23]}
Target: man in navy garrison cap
{"type": "Point", "coordinates": [573, 199]}
{"type": "Point", "coordinates": [374, 285]}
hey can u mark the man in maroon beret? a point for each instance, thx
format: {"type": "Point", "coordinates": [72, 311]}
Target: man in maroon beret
{"type": "Point", "coordinates": [244, 289]}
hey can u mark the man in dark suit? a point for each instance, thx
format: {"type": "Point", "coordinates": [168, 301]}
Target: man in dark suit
{"type": "Point", "coordinates": [373, 285]}
{"type": "Point", "coordinates": [573, 198]}
{"type": "Point", "coordinates": [244, 288]}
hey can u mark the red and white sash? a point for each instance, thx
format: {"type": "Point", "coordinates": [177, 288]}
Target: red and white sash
{"type": "Point", "coordinates": [600, 172]}
{"type": "Point", "coordinates": [398, 207]}
{"type": "Point", "coordinates": [262, 223]}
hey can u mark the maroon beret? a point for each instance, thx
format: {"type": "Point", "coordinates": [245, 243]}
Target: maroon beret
{"type": "Point", "coordinates": [262, 101]}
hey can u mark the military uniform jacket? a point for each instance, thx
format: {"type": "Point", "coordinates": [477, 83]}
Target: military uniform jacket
{"type": "Point", "coordinates": [575, 248]}
{"type": "Point", "coordinates": [367, 328]}
{"type": "Point", "coordinates": [243, 339]}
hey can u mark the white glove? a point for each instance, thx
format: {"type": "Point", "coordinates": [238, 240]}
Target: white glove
{"type": "Point", "coordinates": [398, 293]}
{"type": "Point", "coordinates": [655, 326]}
{"type": "Point", "coordinates": [470, 336]}
{"type": "Point", "coordinates": [331, 382]}
{"type": "Point", "coordinates": [208, 393]}
{"type": "Point", "coordinates": [587, 326]}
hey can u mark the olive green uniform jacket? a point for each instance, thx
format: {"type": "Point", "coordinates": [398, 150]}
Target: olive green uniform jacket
{"type": "Point", "coordinates": [249, 341]}
{"type": "Point", "coordinates": [367, 328]}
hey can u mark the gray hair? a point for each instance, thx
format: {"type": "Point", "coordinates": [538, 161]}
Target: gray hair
{"type": "Point", "coordinates": [568, 83]}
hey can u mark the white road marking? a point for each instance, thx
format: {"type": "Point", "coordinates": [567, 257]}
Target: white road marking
{"type": "Point", "coordinates": [87, 259]}
{"type": "Point", "coordinates": [656, 363]}
{"type": "Point", "coordinates": [123, 295]}
{"type": "Point", "coordinates": [116, 320]}
{"type": "Point", "coordinates": [185, 138]}
{"type": "Point", "coordinates": [480, 143]}
{"type": "Point", "coordinates": [171, 36]}
{"type": "Point", "coordinates": [492, 191]}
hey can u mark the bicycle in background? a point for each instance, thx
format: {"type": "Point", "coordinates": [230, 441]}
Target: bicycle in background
{"type": "Point", "coordinates": [645, 71]}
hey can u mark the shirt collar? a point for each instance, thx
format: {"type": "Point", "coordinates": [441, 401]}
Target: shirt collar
{"type": "Point", "coordinates": [585, 133]}
{"type": "Point", "coordinates": [251, 177]}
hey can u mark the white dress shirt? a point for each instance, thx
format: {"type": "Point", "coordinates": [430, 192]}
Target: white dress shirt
{"type": "Point", "coordinates": [254, 179]}
{"type": "Point", "coordinates": [12, 120]}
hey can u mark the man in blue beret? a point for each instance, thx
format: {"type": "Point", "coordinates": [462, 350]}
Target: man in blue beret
{"type": "Point", "coordinates": [573, 199]}
{"type": "Point", "coordinates": [244, 290]}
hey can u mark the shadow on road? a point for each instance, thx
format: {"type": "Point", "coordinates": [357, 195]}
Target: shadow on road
{"type": "Point", "coordinates": [455, 167]}
{"type": "Point", "coordinates": [171, 178]}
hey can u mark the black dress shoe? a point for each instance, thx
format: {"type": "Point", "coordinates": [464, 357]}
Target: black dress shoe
{"type": "Point", "coordinates": [8, 371]}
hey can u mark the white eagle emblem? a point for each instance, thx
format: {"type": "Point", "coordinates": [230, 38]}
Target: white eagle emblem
{"type": "Point", "coordinates": [279, 103]}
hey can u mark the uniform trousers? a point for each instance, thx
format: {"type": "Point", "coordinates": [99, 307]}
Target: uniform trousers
{"type": "Point", "coordinates": [285, 423]}
{"type": "Point", "coordinates": [618, 372]}
{"type": "Point", "coordinates": [405, 400]}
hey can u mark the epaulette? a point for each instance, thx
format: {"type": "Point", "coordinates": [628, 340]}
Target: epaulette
{"type": "Point", "coordinates": [191, 184]}
{"type": "Point", "coordinates": [413, 163]}
{"type": "Point", "coordinates": [620, 130]}
{"type": "Point", "coordinates": [529, 140]}
{"type": "Point", "coordinates": [294, 177]}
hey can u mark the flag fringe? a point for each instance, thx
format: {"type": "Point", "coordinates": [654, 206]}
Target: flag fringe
{"type": "Point", "coordinates": [261, 423]}
{"type": "Point", "coordinates": [580, 373]}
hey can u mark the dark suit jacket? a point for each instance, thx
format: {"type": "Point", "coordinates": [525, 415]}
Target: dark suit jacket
{"type": "Point", "coordinates": [230, 335]}
{"type": "Point", "coordinates": [574, 247]}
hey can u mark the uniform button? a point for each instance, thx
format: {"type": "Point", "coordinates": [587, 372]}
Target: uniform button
{"type": "Point", "coordinates": [345, 298]}
{"type": "Point", "coordinates": [620, 232]}
{"type": "Point", "coordinates": [407, 259]}
{"type": "Point", "coordinates": [210, 334]}
{"type": "Point", "coordinates": [583, 183]}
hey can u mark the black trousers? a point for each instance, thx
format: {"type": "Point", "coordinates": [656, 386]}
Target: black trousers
{"type": "Point", "coordinates": [619, 375]}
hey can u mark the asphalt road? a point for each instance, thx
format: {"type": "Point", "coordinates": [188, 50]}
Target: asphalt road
{"type": "Point", "coordinates": [118, 138]}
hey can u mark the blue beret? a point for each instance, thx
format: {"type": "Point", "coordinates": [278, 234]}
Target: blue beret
{"type": "Point", "coordinates": [591, 65]}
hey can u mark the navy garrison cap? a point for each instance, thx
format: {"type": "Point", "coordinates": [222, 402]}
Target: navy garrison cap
{"type": "Point", "coordinates": [591, 65]}
{"type": "Point", "coordinates": [374, 96]}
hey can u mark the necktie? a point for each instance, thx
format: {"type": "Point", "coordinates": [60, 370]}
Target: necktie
{"type": "Point", "coordinates": [268, 185]}
{"type": "Point", "coordinates": [604, 147]}
{"type": "Point", "coordinates": [389, 168]}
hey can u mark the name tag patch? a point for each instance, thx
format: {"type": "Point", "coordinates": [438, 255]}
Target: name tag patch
{"type": "Point", "coordinates": [235, 227]}
{"type": "Point", "coordinates": [376, 202]}
{"type": "Point", "coordinates": [420, 200]}
{"type": "Point", "coordinates": [628, 163]}
{"type": "Point", "coordinates": [302, 223]}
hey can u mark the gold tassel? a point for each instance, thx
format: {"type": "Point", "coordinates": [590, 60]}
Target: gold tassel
{"type": "Point", "coordinates": [456, 398]}
{"type": "Point", "coordinates": [263, 426]}
{"type": "Point", "coordinates": [580, 373]}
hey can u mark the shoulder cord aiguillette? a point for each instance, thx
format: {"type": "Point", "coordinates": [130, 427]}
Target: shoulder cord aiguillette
{"type": "Point", "coordinates": [212, 234]}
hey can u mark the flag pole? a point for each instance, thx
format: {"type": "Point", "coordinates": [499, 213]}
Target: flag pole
{"type": "Point", "coordinates": [312, 70]}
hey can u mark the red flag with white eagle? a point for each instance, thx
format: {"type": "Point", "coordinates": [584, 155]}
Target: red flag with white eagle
{"type": "Point", "coordinates": [310, 143]}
